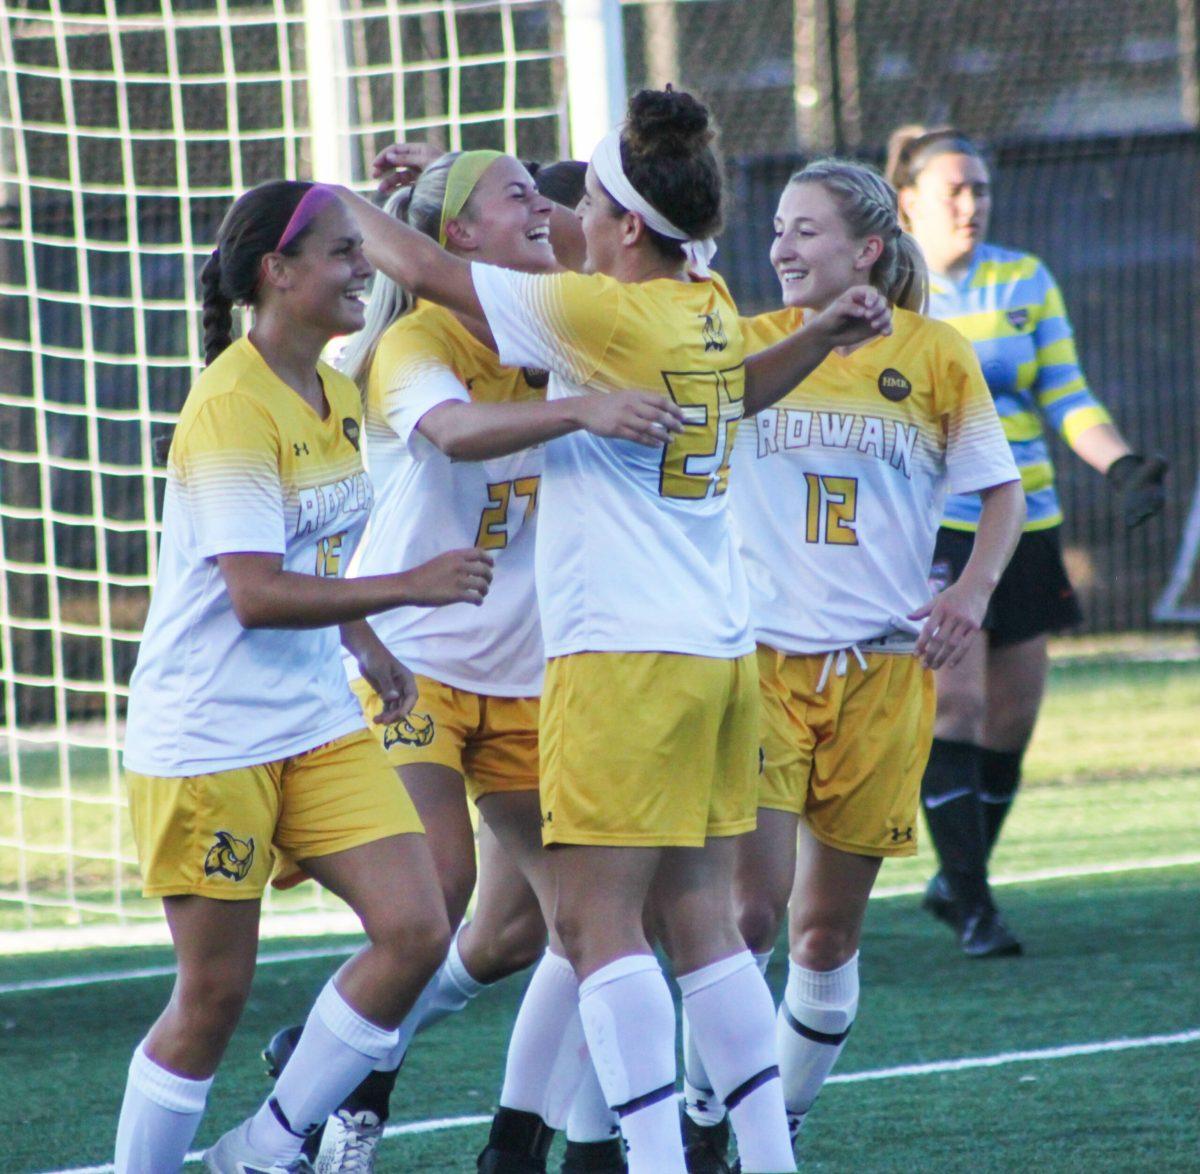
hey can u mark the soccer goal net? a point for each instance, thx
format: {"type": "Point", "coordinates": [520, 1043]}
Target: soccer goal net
{"type": "Point", "coordinates": [126, 126]}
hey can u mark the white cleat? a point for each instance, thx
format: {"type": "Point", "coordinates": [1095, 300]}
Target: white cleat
{"type": "Point", "coordinates": [349, 1143]}
{"type": "Point", "coordinates": [231, 1155]}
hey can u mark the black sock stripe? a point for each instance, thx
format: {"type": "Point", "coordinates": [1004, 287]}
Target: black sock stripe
{"type": "Point", "coordinates": [645, 1100]}
{"type": "Point", "coordinates": [832, 1038]}
{"type": "Point", "coordinates": [744, 1089]}
{"type": "Point", "coordinates": [281, 1117]}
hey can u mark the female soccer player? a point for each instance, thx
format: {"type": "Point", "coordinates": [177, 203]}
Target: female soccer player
{"type": "Point", "coordinates": [648, 724]}
{"type": "Point", "coordinates": [445, 426]}
{"type": "Point", "coordinates": [1010, 309]}
{"type": "Point", "coordinates": [837, 494]}
{"type": "Point", "coordinates": [243, 740]}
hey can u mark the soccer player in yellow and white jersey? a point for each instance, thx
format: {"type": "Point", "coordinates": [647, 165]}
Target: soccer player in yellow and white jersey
{"type": "Point", "coordinates": [649, 716]}
{"type": "Point", "coordinates": [1009, 307]}
{"type": "Point", "coordinates": [453, 444]}
{"type": "Point", "coordinates": [837, 492]}
{"type": "Point", "coordinates": [243, 741]}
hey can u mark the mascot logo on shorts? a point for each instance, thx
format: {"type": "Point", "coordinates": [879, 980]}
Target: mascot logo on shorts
{"type": "Point", "coordinates": [415, 730]}
{"type": "Point", "coordinates": [230, 857]}
{"type": "Point", "coordinates": [713, 331]}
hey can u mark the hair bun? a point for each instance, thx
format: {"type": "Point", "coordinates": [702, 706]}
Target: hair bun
{"type": "Point", "coordinates": [666, 122]}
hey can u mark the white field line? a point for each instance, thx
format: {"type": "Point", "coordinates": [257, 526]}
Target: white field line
{"type": "Point", "coordinates": [883, 893]}
{"type": "Point", "coordinates": [903, 1071]}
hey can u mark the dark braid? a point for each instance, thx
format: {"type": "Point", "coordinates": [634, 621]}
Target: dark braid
{"type": "Point", "coordinates": [252, 228]}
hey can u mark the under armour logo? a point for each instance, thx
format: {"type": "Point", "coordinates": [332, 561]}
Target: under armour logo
{"type": "Point", "coordinates": [299, 447]}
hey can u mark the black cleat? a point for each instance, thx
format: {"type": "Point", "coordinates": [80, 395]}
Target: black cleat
{"type": "Point", "coordinates": [984, 935]}
{"type": "Point", "coordinates": [939, 900]}
{"type": "Point", "coordinates": [706, 1147]}
{"type": "Point", "coordinates": [595, 1157]}
{"type": "Point", "coordinates": [519, 1143]}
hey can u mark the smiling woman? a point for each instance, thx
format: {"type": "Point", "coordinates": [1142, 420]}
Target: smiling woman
{"type": "Point", "coordinates": [244, 746]}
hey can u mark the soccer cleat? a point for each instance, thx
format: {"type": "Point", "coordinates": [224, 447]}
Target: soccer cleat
{"type": "Point", "coordinates": [706, 1147]}
{"type": "Point", "coordinates": [349, 1143]}
{"type": "Point", "coordinates": [519, 1143]}
{"type": "Point", "coordinates": [939, 900]}
{"type": "Point", "coordinates": [595, 1157]}
{"type": "Point", "coordinates": [232, 1155]}
{"type": "Point", "coordinates": [984, 935]}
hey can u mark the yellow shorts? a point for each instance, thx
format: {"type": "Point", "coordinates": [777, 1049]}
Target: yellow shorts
{"type": "Point", "coordinates": [849, 758]}
{"type": "Point", "coordinates": [648, 749]}
{"type": "Point", "coordinates": [218, 835]}
{"type": "Point", "coordinates": [491, 741]}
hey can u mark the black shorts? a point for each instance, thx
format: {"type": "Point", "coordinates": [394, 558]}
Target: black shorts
{"type": "Point", "coordinates": [1034, 594]}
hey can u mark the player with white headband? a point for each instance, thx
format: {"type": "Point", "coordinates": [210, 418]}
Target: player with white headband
{"type": "Point", "coordinates": [649, 722]}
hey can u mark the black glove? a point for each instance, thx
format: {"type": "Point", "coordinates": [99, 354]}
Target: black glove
{"type": "Point", "coordinates": [1138, 481]}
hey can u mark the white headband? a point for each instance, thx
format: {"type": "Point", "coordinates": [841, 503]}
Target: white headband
{"type": "Point", "coordinates": [606, 160]}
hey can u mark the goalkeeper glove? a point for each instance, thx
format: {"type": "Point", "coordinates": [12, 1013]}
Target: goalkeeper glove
{"type": "Point", "coordinates": [1138, 481]}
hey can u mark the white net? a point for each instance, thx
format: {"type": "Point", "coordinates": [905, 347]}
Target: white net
{"type": "Point", "coordinates": [126, 126]}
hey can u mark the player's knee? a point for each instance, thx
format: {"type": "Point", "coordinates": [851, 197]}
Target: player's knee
{"type": "Point", "coordinates": [823, 947]}
{"type": "Point", "coordinates": [419, 941]}
{"type": "Point", "coordinates": [759, 917]}
{"type": "Point", "coordinates": [519, 943]}
{"type": "Point", "coordinates": [210, 1000]}
{"type": "Point", "coordinates": [960, 714]}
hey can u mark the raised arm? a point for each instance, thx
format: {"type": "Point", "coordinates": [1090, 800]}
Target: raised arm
{"type": "Point", "coordinates": [857, 316]}
{"type": "Point", "coordinates": [413, 260]}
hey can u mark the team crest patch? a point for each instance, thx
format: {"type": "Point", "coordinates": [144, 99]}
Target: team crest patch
{"type": "Point", "coordinates": [535, 378]}
{"type": "Point", "coordinates": [893, 386]}
{"type": "Point", "coordinates": [230, 857]}
{"type": "Point", "coordinates": [417, 729]}
{"type": "Point", "coordinates": [351, 429]}
{"type": "Point", "coordinates": [713, 330]}
{"type": "Point", "coordinates": [1018, 319]}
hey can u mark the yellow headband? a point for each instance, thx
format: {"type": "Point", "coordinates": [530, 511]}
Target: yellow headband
{"type": "Point", "coordinates": [465, 173]}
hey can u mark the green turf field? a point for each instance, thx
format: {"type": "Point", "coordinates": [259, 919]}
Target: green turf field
{"type": "Point", "coordinates": [1112, 956]}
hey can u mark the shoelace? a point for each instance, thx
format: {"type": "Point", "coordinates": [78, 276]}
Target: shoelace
{"type": "Point", "coordinates": [838, 662]}
{"type": "Point", "coordinates": [355, 1145]}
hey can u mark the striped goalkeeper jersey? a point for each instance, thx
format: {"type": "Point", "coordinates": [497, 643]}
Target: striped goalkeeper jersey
{"type": "Point", "coordinates": [1010, 309]}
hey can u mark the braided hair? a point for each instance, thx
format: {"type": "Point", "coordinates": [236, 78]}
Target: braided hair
{"type": "Point", "coordinates": [868, 206]}
{"type": "Point", "coordinates": [230, 277]}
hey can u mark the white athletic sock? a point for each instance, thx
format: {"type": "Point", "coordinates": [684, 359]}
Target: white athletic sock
{"type": "Point", "coordinates": [815, 1017]}
{"type": "Point", "coordinates": [732, 1016]}
{"type": "Point", "coordinates": [159, 1117]}
{"type": "Point", "coordinates": [590, 1118]}
{"type": "Point", "coordinates": [547, 1055]}
{"type": "Point", "coordinates": [701, 1102]}
{"type": "Point", "coordinates": [450, 989]}
{"type": "Point", "coordinates": [336, 1050]}
{"type": "Point", "coordinates": [629, 1020]}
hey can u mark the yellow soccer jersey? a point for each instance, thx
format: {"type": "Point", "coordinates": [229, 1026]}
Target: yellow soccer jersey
{"type": "Point", "coordinates": [427, 503]}
{"type": "Point", "coordinates": [252, 469]}
{"type": "Point", "coordinates": [838, 489]}
{"type": "Point", "coordinates": [635, 550]}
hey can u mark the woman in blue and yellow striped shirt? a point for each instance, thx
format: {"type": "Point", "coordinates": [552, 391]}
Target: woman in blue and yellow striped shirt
{"type": "Point", "coordinates": [1010, 308]}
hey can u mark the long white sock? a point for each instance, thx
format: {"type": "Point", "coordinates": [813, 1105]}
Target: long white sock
{"type": "Point", "coordinates": [159, 1117]}
{"type": "Point", "coordinates": [547, 1055]}
{"type": "Point", "coordinates": [450, 989]}
{"type": "Point", "coordinates": [701, 1102]}
{"type": "Point", "coordinates": [629, 1020]}
{"type": "Point", "coordinates": [590, 1118]}
{"type": "Point", "coordinates": [732, 1016]}
{"type": "Point", "coordinates": [815, 1017]}
{"type": "Point", "coordinates": [336, 1050]}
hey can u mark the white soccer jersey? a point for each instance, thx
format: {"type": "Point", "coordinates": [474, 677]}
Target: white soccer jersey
{"type": "Point", "coordinates": [838, 489]}
{"type": "Point", "coordinates": [635, 552]}
{"type": "Point", "coordinates": [252, 469]}
{"type": "Point", "coordinates": [426, 504]}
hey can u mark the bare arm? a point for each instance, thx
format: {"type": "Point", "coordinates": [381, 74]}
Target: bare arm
{"type": "Point", "coordinates": [857, 316]}
{"type": "Point", "coordinates": [954, 616]}
{"type": "Point", "coordinates": [413, 260]}
{"type": "Point", "coordinates": [1100, 445]}
{"type": "Point", "coordinates": [390, 679]}
{"type": "Point", "coordinates": [477, 431]}
{"type": "Point", "coordinates": [264, 595]}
